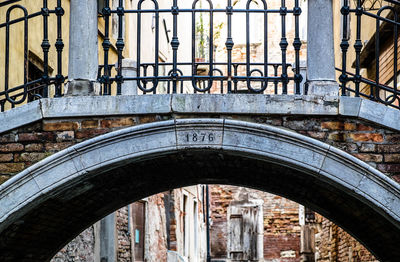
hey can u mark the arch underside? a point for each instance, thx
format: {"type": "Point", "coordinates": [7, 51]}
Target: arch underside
{"type": "Point", "coordinates": [56, 216]}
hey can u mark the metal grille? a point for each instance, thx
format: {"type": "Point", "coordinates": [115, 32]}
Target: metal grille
{"type": "Point", "coordinates": [30, 89]}
{"type": "Point", "coordinates": [373, 73]}
{"type": "Point", "coordinates": [217, 76]}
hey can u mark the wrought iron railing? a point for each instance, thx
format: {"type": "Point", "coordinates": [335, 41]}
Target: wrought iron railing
{"type": "Point", "coordinates": [372, 71]}
{"type": "Point", "coordinates": [33, 86]}
{"type": "Point", "coordinates": [183, 75]}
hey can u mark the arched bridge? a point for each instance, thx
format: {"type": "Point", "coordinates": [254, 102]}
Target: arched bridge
{"type": "Point", "coordinates": [49, 203]}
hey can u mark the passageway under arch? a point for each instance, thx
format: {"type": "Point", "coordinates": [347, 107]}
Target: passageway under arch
{"type": "Point", "coordinates": [48, 204]}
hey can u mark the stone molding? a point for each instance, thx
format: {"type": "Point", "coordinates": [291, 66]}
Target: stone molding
{"type": "Point", "coordinates": [243, 104]}
{"type": "Point", "coordinates": [27, 190]}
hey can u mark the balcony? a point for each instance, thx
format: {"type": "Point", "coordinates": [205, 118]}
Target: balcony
{"type": "Point", "coordinates": [55, 48]}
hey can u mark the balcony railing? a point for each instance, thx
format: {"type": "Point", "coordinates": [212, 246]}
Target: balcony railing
{"type": "Point", "coordinates": [17, 16]}
{"type": "Point", "coordinates": [193, 47]}
{"type": "Point", "coordinates": [372, 72]}
{"type": "Point", "coordinates": [202, 77]}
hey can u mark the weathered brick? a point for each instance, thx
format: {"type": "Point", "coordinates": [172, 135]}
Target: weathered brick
{"type": "Point", "coordinates": [368, 148]}
{"type": "Point", "coordinates": [60, 126]}
{"type": "Point", "coordinates": [89, 133]}
{"type": "Point", "coordinates": [316, 135]}
{"type": "Point", "coordinates": [369, 157]}
{"type": "Point", "coordinates": [13, 147]}
{"type": "Point", "coordinates": [348, 147]}
{"type": "Point", "coordinates": [388, 148]}
{"type": "Point", "coordinates": [361, 127]}
{"type": "Point", "coordinates": [350, 126]}
{"type": "Point", "coordinates": [396, 178]}
{"type": "Point", "coordinates": [54, 147]}
{"type": "Point", "coordinates": [336, 136]}
{"type": "Point", "coordinates": [366, 137]}
{"type": "Point", "coordinates": [30, 157]}
{"type": "Point", "coordinates": [392, 158]}
{"type": "Point", "coordinates": [66, 136]}
{"type": "Point", "coordinates": [7, 138]}
{"type": "Point", "coordinates": [90, 124]}
{"type": "Point", "coordinates": [302, 125]}
{"type": "Point", "coordinates": [390, 168]}
{"type": "Point", "coordinates": [35, 137]}
{"type": "Point", "coordinates": [36, 127]}
{"type": "Point", "coordinates": [120, 122]}
{"type": "Point", "coordinates": [11, 168]}
{"type": "Point", "coordinates": [393, 138]}
{"type": "Point", "coordinates": [332, 125]}
{"type": "Point", "coordinates": [6, 157]}
{"type": "Point", "coordinates": [34, 147]}
{"type": "Point", "coordinates": [147, 119]}
{"type": "Point", "coordinates": [3, 179]}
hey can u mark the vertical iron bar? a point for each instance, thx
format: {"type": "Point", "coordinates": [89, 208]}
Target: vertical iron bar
{"type": "Point", "coordinates": [106, 47]}
{"type": "Point", "coordinates": [138, 42]}
{"type": "Point", "coordinates": [358, 46]}
{"type": "Point", "coordinates": [284, 44]}
{"type": "Point", "coordinates": [265, 45]}
{"type": "Point", "coordinates": [344, 45]}
{"type": "Point", "coordinates": [297, 45]}
{"type": "Point", "coordinates": [194, 69]}
{"type": "Point", "coordinates": [120, 45]}
{"type": "Point", "coordinates": [59, 47]}
{"type": "Point", "coordinates": [156, 52]}
{"type": "Point", "coordinates": [395, 56]}
{"type": "Point", "coordinates": [175, 46]}
{"type": "Point", "coordinates": [211, 47]}
{"type": "Point", "coordinates": [248, 49]}
{"type": "Point", "coordinates": [46, 48]}
{"type": "Point", "coordinates": [229, 44]}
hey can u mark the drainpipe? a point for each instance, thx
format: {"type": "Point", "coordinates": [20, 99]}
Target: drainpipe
{"type": "Point", "coordinates": [208, 224]}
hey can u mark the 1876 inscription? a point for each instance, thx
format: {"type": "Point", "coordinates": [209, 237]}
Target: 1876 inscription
{"type": "Point", "coordinates": [199, 137]}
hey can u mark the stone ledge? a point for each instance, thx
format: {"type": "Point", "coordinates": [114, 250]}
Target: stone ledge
{"type": "Point", "coordinates": [243, 104]}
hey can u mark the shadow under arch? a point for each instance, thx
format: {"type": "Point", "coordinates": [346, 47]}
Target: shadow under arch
{"type": "Point", "coordinates": [48, 204]}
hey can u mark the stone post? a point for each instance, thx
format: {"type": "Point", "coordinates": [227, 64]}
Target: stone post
{"type": "Point", "coordinates": [108, 239]}
{"type": "Point", "coordinates": [320, 49]}
{"type": "Point", "coordinates": [83, 50]}
{"type": "Point", "coordinates": [129, 69]}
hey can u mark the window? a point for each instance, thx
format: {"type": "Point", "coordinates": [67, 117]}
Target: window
{"type": "Point", "coordinates": [35, 72]}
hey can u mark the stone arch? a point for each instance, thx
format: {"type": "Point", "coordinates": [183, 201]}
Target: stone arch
{"type": "Point", "coordinates": [48, 204]}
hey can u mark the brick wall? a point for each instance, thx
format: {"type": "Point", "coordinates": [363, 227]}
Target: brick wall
{"type": "Point", "coordinates": [334, 244]}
